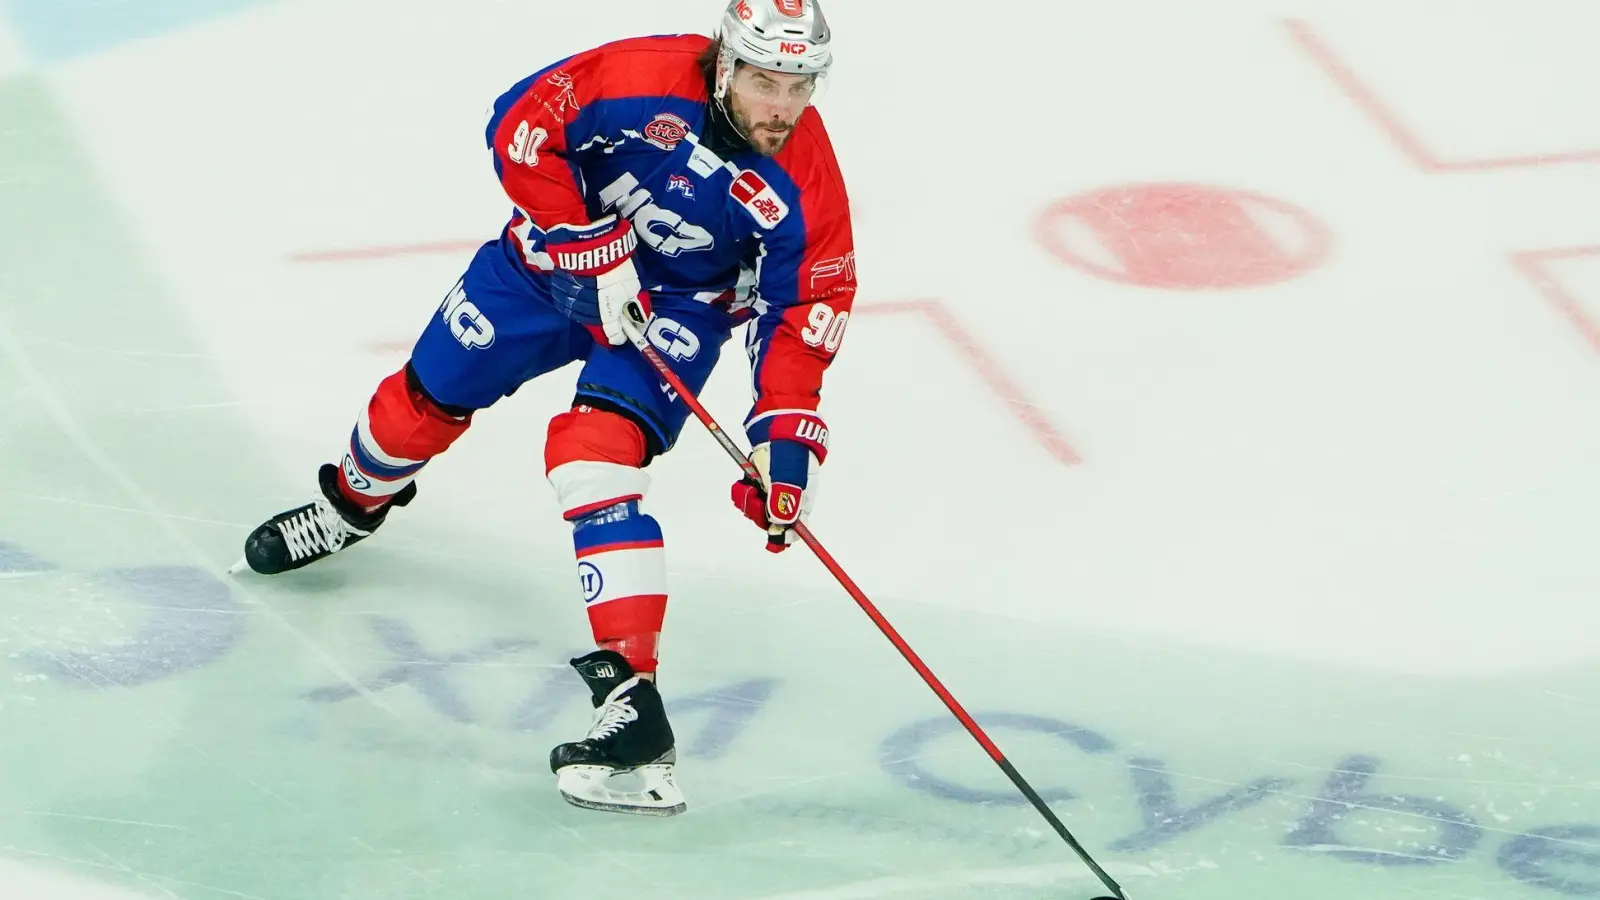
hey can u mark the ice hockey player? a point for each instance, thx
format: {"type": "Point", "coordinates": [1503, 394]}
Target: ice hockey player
{"type": "Point", "coordinates": [688, 181]}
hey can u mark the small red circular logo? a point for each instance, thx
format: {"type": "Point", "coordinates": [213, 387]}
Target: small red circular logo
{"type": "Point", "coordinates": [667, 131]}
{"type": "Point", "coordinates": [1184, 236]}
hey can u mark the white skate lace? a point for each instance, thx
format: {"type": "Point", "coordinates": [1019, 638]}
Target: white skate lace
{"type": "Point", "coordinates": [611, 718]}
{"type": "Point", "coordinates": [316, 529]}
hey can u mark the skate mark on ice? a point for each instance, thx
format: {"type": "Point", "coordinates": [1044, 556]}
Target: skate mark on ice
{"type": "Point", "coordinates": [732, 709]}
{"type": "Point", "coordinates": [1165, 820]}
{"type": "Point", "coordinates": [939, 884]}
{"type": "Point", "coordinates": [193, 622]}
{"type": "Point", "coordinates": [421, 669]}
{"type": "Point", "coordinates": [16, 562]}
{"type": "Point", "coordinates": [1526, 857]}
{"type": "Point", "coordinates": [1012, 845]}
{"type": "Point", "coordinates": [1345, 790]}
{"type": "Point", "coordinates": [102, 820]}
{"type": "Point", "coordinates": [899, 753]}
{"type": "Point", "coordinates": [43, 392]}
{"type": "Point", "coordinates": [548, 697]}
{"type": "Point", "coordinates": [148, 881]}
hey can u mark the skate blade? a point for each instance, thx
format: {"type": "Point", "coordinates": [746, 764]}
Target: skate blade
{"type": "Point", "coordinates": [589, 787]}
{"type": "Point", "coordinates": [243, 565]}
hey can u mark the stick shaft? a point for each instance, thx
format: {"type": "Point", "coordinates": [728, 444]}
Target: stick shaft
{"type": "Point", "coordinates": [636, 334]}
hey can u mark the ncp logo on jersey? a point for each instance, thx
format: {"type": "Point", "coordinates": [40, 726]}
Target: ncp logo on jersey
{"type": "Point", "coordinates": [673, 338]}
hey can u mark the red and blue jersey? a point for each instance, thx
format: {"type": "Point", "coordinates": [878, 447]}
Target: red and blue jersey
{"type": "Point", "coordinates": [626, 129]}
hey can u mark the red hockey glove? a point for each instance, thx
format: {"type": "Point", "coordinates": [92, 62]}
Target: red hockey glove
{"type": "Point", "coordinates": [595, 275]}
{"type": "Point", "coordinates": [788, 446]}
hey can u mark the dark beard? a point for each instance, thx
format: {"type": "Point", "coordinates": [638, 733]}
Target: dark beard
{"type": "Point", "coordinates": [762, 133]}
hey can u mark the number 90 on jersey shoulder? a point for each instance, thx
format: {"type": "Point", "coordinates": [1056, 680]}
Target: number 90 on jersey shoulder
{"type": "Point", "coordinates": [825, 327]}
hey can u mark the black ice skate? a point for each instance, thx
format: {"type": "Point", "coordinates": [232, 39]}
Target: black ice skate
{"type": "Point", "coordinates": [319, 529]}
{"type": "Point", "coordinates": [630, 738]}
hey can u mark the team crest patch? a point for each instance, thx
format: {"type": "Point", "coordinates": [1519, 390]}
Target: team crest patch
{"type": "Point", "coordinates": [753, 192]}
{"type": "Point", "coordinates": [682, 185]}
{"type": "Point", "coordinates": [666, 131]}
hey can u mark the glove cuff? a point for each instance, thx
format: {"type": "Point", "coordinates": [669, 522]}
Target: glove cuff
{"type": "Point", "coordinates": [798, 425]}
{"type": "Point", "coordinates": [596, 250]}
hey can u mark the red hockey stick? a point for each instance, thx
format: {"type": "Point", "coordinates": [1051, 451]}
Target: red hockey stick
{"type": "Point", "coordinates": [634, 326]}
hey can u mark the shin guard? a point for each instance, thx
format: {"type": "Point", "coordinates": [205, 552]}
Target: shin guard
{"type": "Point", "coordinates": [622, 569]}
{"type": "Point", "coordinates": [592, 459]}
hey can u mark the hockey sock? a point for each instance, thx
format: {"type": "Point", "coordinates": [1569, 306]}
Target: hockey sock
{"type": "Point", "coordinates": [592, 459]}
{"type": "Point", "coordinates": [622, 570]}
{"type": "Point", "coordinates": [395, 436]}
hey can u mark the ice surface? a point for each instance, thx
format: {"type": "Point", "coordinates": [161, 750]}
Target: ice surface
{"type": "Point", "coordinates": [1311, 608]}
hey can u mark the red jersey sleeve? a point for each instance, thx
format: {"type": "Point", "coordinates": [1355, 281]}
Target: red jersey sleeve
{"type": "Point", "coordinates": [807, 276]}
{"type": "Point", "coordinates": [532, 146]}
{"type": "Point", "coordinates": [538, 130]}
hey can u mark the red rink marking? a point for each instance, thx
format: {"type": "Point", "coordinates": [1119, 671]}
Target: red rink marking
{"type": "Point", "coordinates": [967, 346]}
{"type": "Point", "coordinates": [988, 369]}
{"type": "Point", "coordinates": [1537, 266]}
{"type": "Point", "coordinates": [388, 251]}
{"type": "Point", "coordinates": [1402, 136]}
{"type": "Point", "coordinates": [1182, 236]}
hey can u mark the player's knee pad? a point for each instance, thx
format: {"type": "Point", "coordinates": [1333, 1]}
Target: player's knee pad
{"type": "Point", "coordinates": [400, 429]}
{"type": "Point", "coordinates": [404, 422]}
{"type": "Point", "coordinates": [592, 458]}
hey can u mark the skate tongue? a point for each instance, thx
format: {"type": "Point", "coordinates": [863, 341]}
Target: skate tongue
{"type": "Point", "coordinates": [603, 670]}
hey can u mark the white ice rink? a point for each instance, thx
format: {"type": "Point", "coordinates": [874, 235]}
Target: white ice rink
{"type": "Point", "coordinates": [1221, 420]}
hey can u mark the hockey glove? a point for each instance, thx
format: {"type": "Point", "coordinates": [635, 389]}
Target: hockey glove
{"type": "Point", "coordinates": [787, 447]}
{"type": "Point", "coordinates": [595, 275]}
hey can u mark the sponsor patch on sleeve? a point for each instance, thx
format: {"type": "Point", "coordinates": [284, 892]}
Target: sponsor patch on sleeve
{"type": "Point", "coordinates": [755, 195]}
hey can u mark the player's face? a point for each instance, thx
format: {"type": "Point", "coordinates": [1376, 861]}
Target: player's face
{"type": "Point", "coordinates": [766, 105]}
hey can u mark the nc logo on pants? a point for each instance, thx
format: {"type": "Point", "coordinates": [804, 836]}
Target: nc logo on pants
{"type": "Point", "coordinates": [673, 339]}
{"type": "Point", "coordinates": [470, 326]}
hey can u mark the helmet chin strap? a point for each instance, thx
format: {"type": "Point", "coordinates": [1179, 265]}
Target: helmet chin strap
{"type": "Point", "coordinates": [733, 123]}
{"type": "Point", "coordinates": [725, 67]}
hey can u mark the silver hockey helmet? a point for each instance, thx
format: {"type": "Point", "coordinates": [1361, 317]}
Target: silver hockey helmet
{"type": "Point", "coordinates": [788, 36]}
